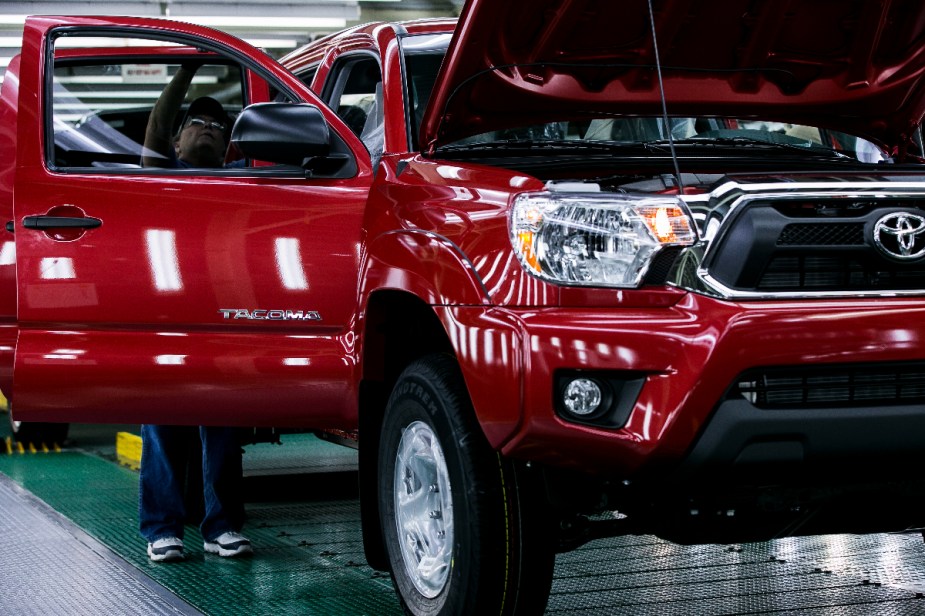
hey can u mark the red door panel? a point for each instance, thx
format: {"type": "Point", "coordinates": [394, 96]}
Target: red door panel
{"type": "Point", "coordinates": [183, 296]}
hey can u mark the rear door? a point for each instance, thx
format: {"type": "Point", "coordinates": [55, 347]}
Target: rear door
{"type": "Point", "coordinates": [180, 295]}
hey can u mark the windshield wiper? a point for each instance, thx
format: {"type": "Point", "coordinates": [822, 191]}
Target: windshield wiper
{"type": "Point", "coordinates": [750, 142]}
{"type": "Point", "coordinates": [655, 147]}
{"type": "Point", "coordinates": [551, 144]}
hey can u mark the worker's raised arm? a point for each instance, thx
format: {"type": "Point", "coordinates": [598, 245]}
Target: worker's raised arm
{"type": "Point", "coordinates": [159, 138]}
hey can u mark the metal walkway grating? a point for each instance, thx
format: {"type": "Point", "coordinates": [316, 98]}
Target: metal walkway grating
{"type": "Point", "coordinates": [49, 566]}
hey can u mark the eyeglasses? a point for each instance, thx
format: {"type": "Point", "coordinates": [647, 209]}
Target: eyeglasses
{"type": "Point", "coordinates": [200, 123]}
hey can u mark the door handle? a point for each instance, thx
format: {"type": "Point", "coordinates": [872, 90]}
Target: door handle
{"type": "Point", "coordinates": [61, 222]}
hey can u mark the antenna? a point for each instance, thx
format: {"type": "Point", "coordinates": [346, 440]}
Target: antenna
{"type": "Point", "coordinates": [661, 89]}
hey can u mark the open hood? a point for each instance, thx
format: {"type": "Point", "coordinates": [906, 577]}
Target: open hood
{"type": "Point", "coordinates": [852, 65]}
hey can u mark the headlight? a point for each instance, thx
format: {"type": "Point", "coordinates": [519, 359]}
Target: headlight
{"type": "Point", "coordinates": [596, 239]}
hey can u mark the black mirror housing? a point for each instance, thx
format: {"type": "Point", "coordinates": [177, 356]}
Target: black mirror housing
{"type": "Point", "coordinates": [282, 133]}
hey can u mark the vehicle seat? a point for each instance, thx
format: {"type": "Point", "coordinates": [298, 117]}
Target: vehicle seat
{"type": "Point", "coordinates": [373, 133]}
{"type": "Point", "coordinates": [354, 117]}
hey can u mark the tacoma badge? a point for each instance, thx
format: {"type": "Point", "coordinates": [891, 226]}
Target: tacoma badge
{"type": "Point", "coordinates": [270, 315]}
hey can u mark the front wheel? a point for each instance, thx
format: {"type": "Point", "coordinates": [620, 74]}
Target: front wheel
{"type": "Point", "coordinates": [463, 528]}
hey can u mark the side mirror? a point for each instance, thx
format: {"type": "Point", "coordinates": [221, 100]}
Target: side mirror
{"type": "Point", "coordinates": [283, 133]}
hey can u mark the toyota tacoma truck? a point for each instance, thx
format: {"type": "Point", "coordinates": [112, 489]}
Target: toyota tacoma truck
{"type": "Point", "coordinates": [562, 270]}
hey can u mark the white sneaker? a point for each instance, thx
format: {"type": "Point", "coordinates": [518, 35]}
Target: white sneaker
{"type": "Point", "coordinates": [166, 549]}
{"type": "Point", "coordinates": [229, 544]}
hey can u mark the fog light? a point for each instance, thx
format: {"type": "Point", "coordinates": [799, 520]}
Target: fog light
{"type": "Point", "coordinates": [582, 396]}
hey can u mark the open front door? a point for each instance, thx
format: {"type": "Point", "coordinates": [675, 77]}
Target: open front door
{"type": "Point", "coordinates": [175, 293]}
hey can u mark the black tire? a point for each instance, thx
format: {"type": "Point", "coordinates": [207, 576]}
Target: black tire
{"type": "Point", "coordinates": [501, 550]}
{"type": "Point", "coordinates": [36, 433]}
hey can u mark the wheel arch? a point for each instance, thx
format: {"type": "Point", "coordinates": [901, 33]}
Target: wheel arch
{"type": "Point", "coordinates": [399, 327]}
{"type": "Point", "coordinates": [411, 284]}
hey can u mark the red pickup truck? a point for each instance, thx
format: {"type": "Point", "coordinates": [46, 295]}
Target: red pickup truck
{"type": "Point", "coordinates": [564, 269]}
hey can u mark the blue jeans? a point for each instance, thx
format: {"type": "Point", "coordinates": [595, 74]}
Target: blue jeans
{"type": "Point", "coordinates": [164, 456]}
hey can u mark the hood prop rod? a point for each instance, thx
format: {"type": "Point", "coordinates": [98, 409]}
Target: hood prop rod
{"type": "Point", "coordinates": [661, 90]}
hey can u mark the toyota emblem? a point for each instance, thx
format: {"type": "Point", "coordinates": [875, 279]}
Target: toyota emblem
{"type": "Point", "coordinates": [901, 235]}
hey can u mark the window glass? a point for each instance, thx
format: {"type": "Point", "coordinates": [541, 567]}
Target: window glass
{"type": "Point", "coordinates": [423, 56]}
{"type": "Point", "coordinates": [356, 94]}
{"type": "Point", "coordinates": [422, 74]}
{"type": "Point", "coordinates": [104, 91]}
{"type": "Point", "coordinates": [690, 132]}
{"type": "Point", "coordinates": [357, 98]}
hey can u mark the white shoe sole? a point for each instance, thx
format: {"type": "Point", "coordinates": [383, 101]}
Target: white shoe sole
{"type": "Point", "coordinates": [168, 556]}
{"type": "Point", "coordinates": [214, 548]}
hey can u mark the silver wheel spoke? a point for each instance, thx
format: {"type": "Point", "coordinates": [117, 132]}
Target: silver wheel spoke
{"type": "Point", "coordinates": [423, 509]}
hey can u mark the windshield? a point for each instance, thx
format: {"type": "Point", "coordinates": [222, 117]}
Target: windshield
{"type": "Point", "coordinates": [424, 54]}
{"type": "Point", "coordinates": [684, 132]}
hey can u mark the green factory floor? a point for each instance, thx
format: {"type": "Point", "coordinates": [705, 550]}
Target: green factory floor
{"type": "Point", "coordinates": [303, 519]}
{"type": "Point", "coordinates": [304, 527]}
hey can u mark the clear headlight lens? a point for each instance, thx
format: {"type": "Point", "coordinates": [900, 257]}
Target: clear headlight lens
{"type": "Point", "coordinates": [596, 239]}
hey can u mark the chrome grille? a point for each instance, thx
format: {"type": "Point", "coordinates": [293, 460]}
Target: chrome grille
{"type": "Point", "coordinates": [810, 243]}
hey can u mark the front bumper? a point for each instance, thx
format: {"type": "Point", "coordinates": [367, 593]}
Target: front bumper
{"type": "Point", "coordinates": [683, 421]}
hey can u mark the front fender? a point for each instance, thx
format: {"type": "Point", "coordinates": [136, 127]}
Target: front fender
{"type": "Point", "coordinates": [425, 264]}
{"type": "Point", "coordinates": [487, 343]}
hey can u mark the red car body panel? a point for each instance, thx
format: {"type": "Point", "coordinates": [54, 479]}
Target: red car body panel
{"type": "Point", "coordinates": [148, 286]}
{"type": "Point", "coordinates": [9, 96]}
{"type": "Point", "coordinates": [692, 353]}
{"type": "Point", "coordinates": [468, 206]}
{"type": "Point", "coordinates": [245, 379]}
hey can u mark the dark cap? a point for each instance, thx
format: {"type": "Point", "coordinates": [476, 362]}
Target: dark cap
{"type": "Point", "coordinates": [207, 106]}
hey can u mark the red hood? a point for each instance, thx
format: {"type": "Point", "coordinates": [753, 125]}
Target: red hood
{"type": "Point", "coordinates": [850, 65]}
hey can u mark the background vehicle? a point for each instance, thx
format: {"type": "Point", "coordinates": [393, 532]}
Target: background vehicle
{"type": "Point", "coordinates": [550, 310]}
